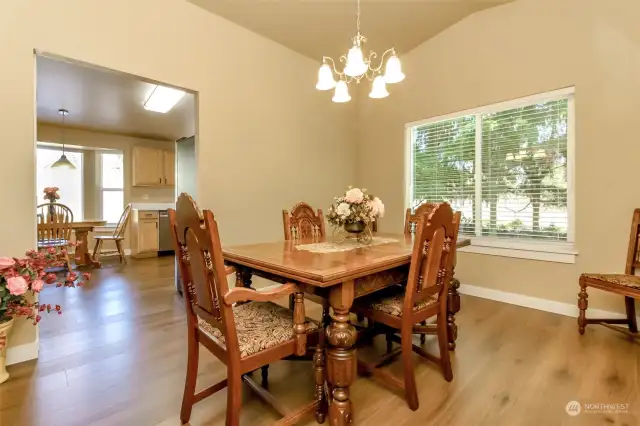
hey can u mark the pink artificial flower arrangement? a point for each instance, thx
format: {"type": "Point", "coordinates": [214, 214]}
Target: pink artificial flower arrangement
{"type": "Point", "coordinates": [51, 193]}
{"type": "Point", "coordinates": [355, 206]}
{"type": "Point", "coordinates": [18, 276]}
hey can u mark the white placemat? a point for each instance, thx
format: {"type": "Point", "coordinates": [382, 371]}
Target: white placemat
{"type": "Point", "coordinates": [348, 244]}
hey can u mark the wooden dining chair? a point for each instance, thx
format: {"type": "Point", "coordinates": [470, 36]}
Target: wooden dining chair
{"type": "Point", "coordinates": [627, 285]}
{"type": "Point", "coordinates": [424, 296]}
{"type": "Point", "coordinates": [243, 336]}
{"type": "Point", "coordinates": [303, 223]}
{"type": "Point", "coordinates": [54, 229]}
{"type": "Point", "coordinates": [410, 222]}
{"type": "Point", "coordinates": [117, 237]}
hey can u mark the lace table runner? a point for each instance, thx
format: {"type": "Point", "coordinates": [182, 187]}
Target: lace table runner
{"type": "Point", "coordinates": [348, 244]}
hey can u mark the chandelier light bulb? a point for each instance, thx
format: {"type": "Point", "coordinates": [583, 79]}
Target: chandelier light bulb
{"type": "Point", "coordinates": [393, 71]}
{"type": "Point", "coordinates": [325, 78]}
{"type": "Point", "coordinates": [379, 88]}
{"type": "Point", "coordinates": [341, 94]}
{"type": "Point", "coordinates": [355, 62]}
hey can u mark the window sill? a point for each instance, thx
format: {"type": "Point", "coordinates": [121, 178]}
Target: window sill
{"type": "Point", "coordinates": [558, 252]}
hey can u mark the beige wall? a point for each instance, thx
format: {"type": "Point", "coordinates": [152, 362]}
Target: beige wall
{"type": "Point", "coordinates": [261, 123]}
{"type": "Point", "coordinates": [519, 49]}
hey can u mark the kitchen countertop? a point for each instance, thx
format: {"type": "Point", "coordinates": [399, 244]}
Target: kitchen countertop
{"type": "Point", "coordinates": [153, 206]}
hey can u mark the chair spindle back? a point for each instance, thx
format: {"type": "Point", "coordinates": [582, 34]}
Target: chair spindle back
{"type": "Point", "coordinates": [410, 220]}
{"type": "Point", "coordinates": [122, 223]}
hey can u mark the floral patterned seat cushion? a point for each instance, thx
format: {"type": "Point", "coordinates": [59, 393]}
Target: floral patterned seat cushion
{"type": "Point", "coordinates": [391, 302]}
{"type": "Point", "coordinates": [619, 279]}
{"type": "Point", "coordinates": [260, 326]}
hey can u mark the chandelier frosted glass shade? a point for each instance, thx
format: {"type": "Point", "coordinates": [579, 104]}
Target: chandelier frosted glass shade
{"type": "Point", "coordinates": [393, 71]}
{"type": "Point", "coordinates": [356, 65]}
{"type": "Point", "coordinates": [325, 78]}
{"type": "Point", "coordinates": [379, 88]}
{"type": "Point", "coordinates": [341, 94]}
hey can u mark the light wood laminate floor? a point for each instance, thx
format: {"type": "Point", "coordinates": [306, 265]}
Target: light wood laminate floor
{"type": "Point", "coordinates": [117, 356]}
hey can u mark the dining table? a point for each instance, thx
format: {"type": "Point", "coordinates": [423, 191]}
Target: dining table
{"type": "Point", "coordinates": [81, 230]}
{"type": "Point", "coordinates": [340, 271]}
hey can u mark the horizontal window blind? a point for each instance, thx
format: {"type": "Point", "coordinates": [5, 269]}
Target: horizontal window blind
{"type": "Point", "coordinates": [444, 164]}
{"type": "Point", "coordinates": [505, 170]}
{"type": "Point", "coordinates": [524, 172]}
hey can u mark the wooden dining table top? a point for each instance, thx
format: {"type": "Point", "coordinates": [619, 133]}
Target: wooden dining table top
{"type": "Point", "coordinates": [324, 269]}
{"type": "Point", "coordinates": [88, 223]}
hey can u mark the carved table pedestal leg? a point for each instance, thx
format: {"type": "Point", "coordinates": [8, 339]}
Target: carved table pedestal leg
{"type": "Point", "coordinates": [341, 361]}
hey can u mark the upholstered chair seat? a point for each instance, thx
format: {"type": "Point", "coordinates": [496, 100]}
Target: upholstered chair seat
{"type": "Point", "coordinates": [259, 325]}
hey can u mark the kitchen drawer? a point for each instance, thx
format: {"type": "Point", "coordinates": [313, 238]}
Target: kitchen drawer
{"type": "Point", "coordinates": [148, 214]}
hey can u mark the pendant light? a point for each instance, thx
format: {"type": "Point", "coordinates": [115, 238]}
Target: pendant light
{"type": "Point", "coordinates": [63, 162]}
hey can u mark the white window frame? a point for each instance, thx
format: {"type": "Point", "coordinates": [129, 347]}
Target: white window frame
{"type": "Point", "coordinates": [102, 189]}
{"type": "Point", "coordinates": [58, 147]}
{"type": "Point", "coordinates": [555, 251]}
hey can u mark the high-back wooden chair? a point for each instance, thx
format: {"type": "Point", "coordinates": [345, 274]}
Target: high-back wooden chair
{"type": "Point", "coordinates": [411, 219]}
{"type": "Point", "coordinates": [243, 336]}
{"type": "Point", "coordinates": [117, 237]}
{"type": "Point", "coordinates": [424, 296]}
{"type": "Point", "coordinates": [54, 228]}
{"type": "Point", "coordinates": [627, 285]}
{"type": "Point", "coordinates": [303, 223]}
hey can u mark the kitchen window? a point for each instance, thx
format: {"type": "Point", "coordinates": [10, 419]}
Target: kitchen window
{"type": "Point", "coordinates": [508, 168]}
{"type": "Point", "coordinates": [68, 181]}
{"type": "Point", "coordinates": [111, 186]}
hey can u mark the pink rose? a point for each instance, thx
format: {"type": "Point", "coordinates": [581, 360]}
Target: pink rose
{"type": "Point", "coordinates": [17, 285]}
{"type": "Point", "coordinates": [6, 262]}
{"type": "Point", "coordinates": [37, 285]}
{"type": "Point", "coordinates": [354, 196]}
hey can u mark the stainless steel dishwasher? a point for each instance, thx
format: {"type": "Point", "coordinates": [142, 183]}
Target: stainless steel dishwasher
{"type": "Point", "coordinates": [165, 244]}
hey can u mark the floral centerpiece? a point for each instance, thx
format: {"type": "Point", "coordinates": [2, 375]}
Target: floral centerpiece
{"type": "Point", "coordinates": [20, 277]}
{"type": "Point", "coordinates": [355, 210]}
{"type": "Point", "coordinates": [51, 193]}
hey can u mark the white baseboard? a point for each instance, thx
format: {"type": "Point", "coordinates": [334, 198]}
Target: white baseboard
{"type": "Point", "coordinates": [22, 353]}
{"type": "Point", "coordinates": [567, 309]}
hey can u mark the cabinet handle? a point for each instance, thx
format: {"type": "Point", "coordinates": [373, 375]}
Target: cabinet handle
{"type": "Point", "coordinates": [160, 180]}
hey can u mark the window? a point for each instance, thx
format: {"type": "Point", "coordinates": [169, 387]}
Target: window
{"type": "Point", "coordinates": [111, 186]}
{"type": "Point", "coordinates": [506, 167]}
{"type": "Point", "coordinates": [68, 181]}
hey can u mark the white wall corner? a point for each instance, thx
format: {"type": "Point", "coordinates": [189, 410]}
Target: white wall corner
{"type": "Point", "coordinates": [22, 353]}
{"type": "Point", "coordinates": [567, 309]}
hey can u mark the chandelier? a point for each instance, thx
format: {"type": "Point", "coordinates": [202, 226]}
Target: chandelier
{"type": "Point", "coordinates": [357, 67]}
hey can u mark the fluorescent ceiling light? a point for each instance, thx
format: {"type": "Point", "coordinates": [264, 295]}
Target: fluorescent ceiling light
{"type": "Point", "coordinates": [162, 99]}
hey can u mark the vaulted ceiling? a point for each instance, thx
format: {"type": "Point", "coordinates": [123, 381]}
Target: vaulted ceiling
{"type": "Point", "coordinates": [324, 27]}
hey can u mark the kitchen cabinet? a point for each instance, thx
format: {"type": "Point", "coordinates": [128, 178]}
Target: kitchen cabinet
{"type": "Point", "coordinates": [153, 167]}
{"type": "Point", "coordinates": [169, 168]}
{"type": "Point", "coordinates": [144, 233]}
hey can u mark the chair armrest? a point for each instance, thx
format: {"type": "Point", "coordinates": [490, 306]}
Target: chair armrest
{"type": "Point", "coordinates": [244, 294]}
{"type": "Point", "coordinates": [228, 270]}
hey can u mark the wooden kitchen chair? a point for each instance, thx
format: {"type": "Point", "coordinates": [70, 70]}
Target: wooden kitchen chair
{"type": "Point", "coordinates": [244, 336]}
{"type": "Point", "coordinates": [627, 285]}
{"type": "Point", "coordinates": [424, 296]}
{"type": "Point", "coordinates": [303, 223]}
{"type": "Point", "coordinates": [117, 237]}
{"type": "Point", "coordinates": [54, 229]}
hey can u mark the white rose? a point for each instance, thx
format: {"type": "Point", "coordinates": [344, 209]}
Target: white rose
{"type": "Point", "coordinates": [354, 195]}
{"type": "Point", "coordinates": [343, 210]}
{"type": "Point", "coordinates": [379, 206]}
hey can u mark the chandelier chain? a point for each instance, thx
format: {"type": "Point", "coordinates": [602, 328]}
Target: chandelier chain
{"type": "Point", "coordinates": [358, 17]}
